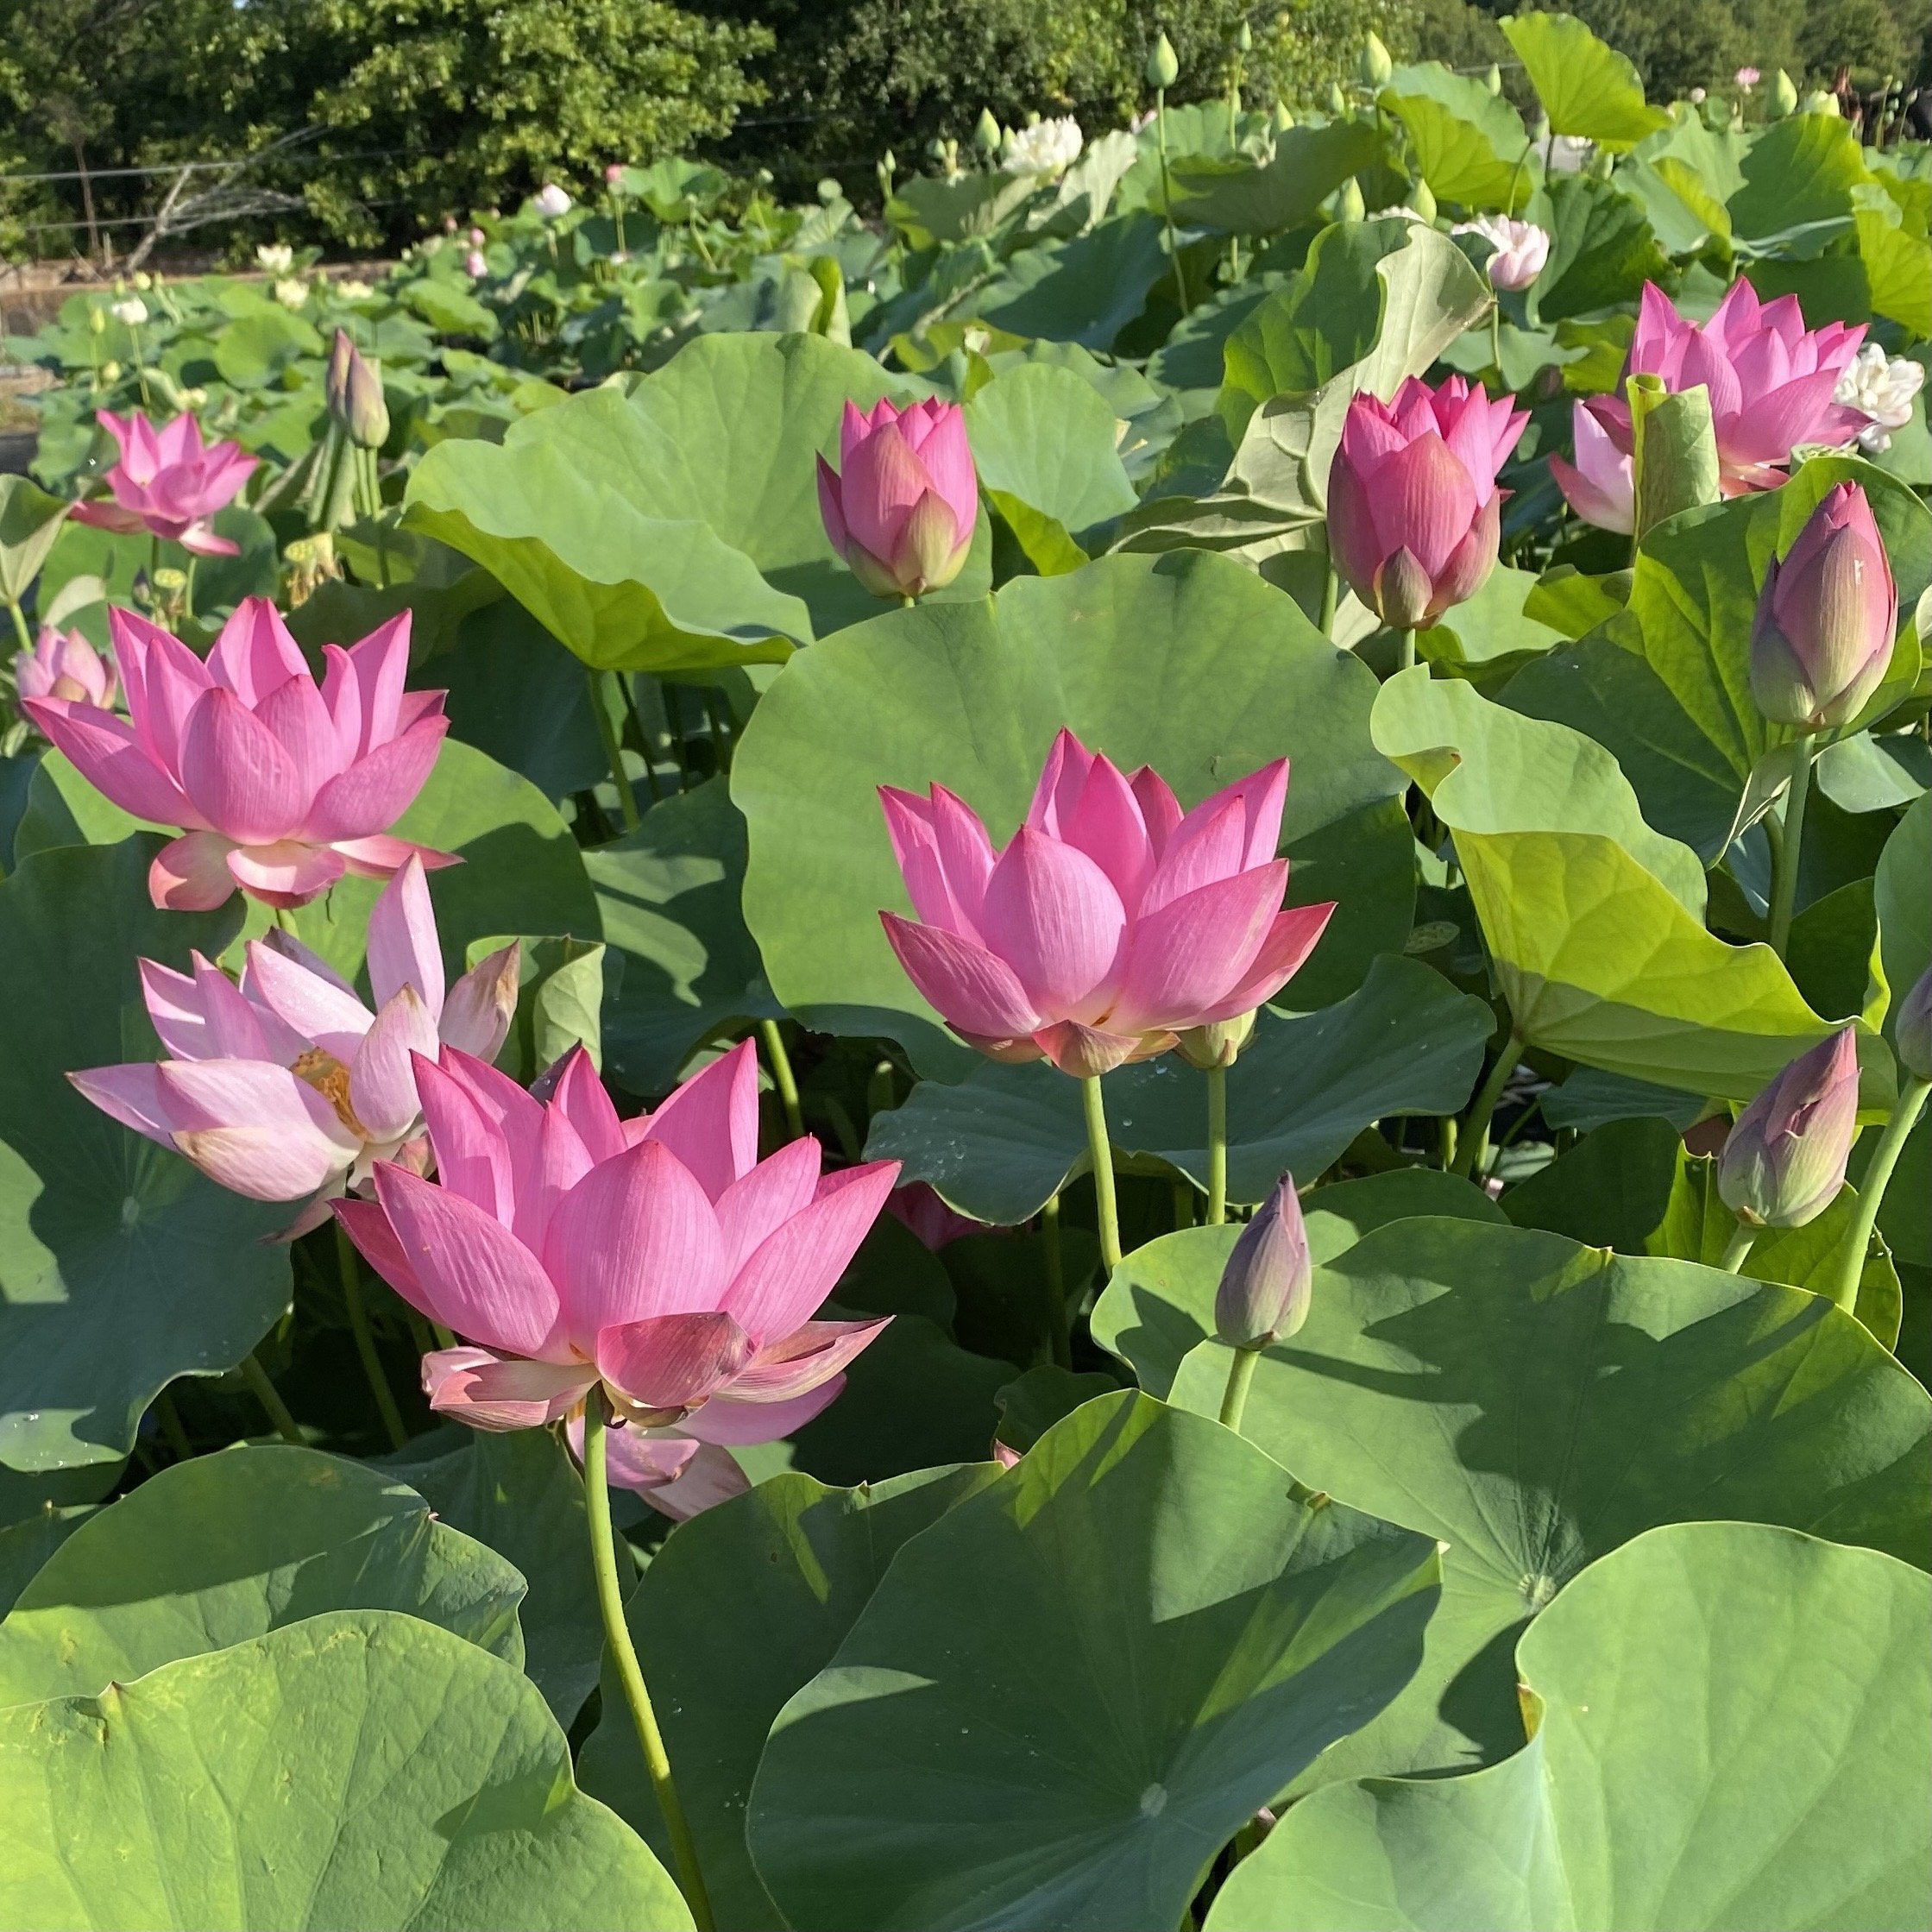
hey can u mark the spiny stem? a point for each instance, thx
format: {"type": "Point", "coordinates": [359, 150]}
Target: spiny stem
{"type": "Point", "coordinates": [365, 1342]}
{"type": "Point", "coordinates": [783, 1077]}
{"type": "Point", "coordinates": [617, 1633]}
{"type": "Point", "coordinates": [1100, 1149]}
{"type": "Point", "coordinates": [1872, 1192]}
{"type": "Point", "coordinates": [270, 1396]}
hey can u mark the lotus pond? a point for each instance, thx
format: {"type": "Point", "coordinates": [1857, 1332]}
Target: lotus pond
{"type": "Point", "coordinates": [1056, 1063]}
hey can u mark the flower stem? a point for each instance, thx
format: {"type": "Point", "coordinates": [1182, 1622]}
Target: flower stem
{"type": "Point", "coordinates": [1739, 1251]}
{"type": "Point", "coordinates": [1784, 885]}
{"type": "Point", "coordinates": [1101, 1150]}
{"type": "Point", "coordinates": [1473, 1137]}
{"type": "Point", "coordinates": [1406, 649]}
{"type": "Point", "coordinates": [365, 1342]}
{"type": "Point", "coordinates": [782, 1078]}
{"type": "Point", "coordinates": [170, 1419]}
{"type": "Point", "coordinates": [614, 752]}
{"type": "Point", "coordinates": [1058, 1317]}
{"type": "Point", "coordinates": [1495, 339]}
{"type": "Point", "coordinates": [1331, 590]}
{"type": "Point", "coordinates": [270, 1396]}
{"type": "Point", "coordinates": [1166, 196]}
{"type": "Point", "coordinates": [1234, 1397]}
{"type": "Point", "coordinates": [20, 624]}
{"type": "Point", "coordinates": [617, 1633]}
{"type": "Point", "coordinates": [1216, 1146]}
{"type": "Point", "coordinates": [1872, 1192]}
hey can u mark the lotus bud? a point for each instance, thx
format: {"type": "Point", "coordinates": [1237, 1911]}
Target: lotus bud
{"type": "Point", "coordinates": [1349, 204]}
{"type": "Point", "coordinates": [110, 372]}
{"type": "Point", "coordinates": [1493, 79]}
{"type": "Point", "coordinates": [1783, 95]}
{"type": "Point", "coordinates": [1374, 66]}
{"type": "Point", "coordinates": [1784, 1160]}
{"type": "Point", "coordinates": [1244, 38]}
{"type": "Point", "coordinates": [478, 238]}
{"type": "Point", "coordinates": [613, 175]}
{"type": "Point", "coordinates": [96, 318]}
{"type": "Point", "coordinates": [335, 378]}
{"type": "Point", "coordinates": [1821, 101]}
{"type": "Point", "coordinates": [1283, 117]}
{"type": "Point", "coordinates": [1217, 1044]}
{"type": "Point", "coordinates": [552, 202]}
{"type": "Point", "coordinates": [1827, 616]}
{"type": "Point", "coordinates": [1422, 198]}
{"type": "Point", "coordinates": [985, 132]}
{"type": "Point", "coordinates": [367, 414]}
{"type": "Point", "coordinates": [903, 504]}
{"type": "Point", "coordinates": [1265, 1287]}
{"type": "Point", "coordinates": [1162, 68]}
{"type": "Point", "coordinates": [1912, 1029]}
{"type": "Point", "coordinates": [1336, 101]}
{"type": "Point", "coordinates": [64, 664]}
{"type": "Point", "coordinates": [474, 265]}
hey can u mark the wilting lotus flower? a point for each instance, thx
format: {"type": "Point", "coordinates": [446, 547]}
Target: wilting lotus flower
{"type": "Point", "coordinates": [1771, 384]}
{"type": "Point", "coordinates": [1600, 485]}
{"type": "Point", "coordinates": [1110, 924]}
{"type": "Point", "coordinates": [902, 505]}
{"type": "Point", "coordinates": [1413, 510]}
{"type": "Point", "coordinates": [1522, 249]}
{"type": "Point", "coordinates": [63, 664]}
{"type": "Point", "coordinates": [658, 1257]}
{"type": "Point", "coordinates": [280, 787]}
{"type": "Point", "coordinates": [288, 1087]}
{"type": "Point", "coordinates": [1827, 617]}
{"type": "Point", "coordinates": [1784, 1160]}
{"type": "Point", "coordinates": [552, 202]}
{"type": "Point", "coordinates": [1881, 388]}
{"type": "Point", "coordinates": [167, 482]}
{"type": "Point", "coordinates": [1265, 1287]}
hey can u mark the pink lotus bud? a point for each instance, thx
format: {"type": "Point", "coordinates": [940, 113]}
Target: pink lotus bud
{"type": "Point", "coordinates": [614, 173]}
{"type": "Point", "coordinates": [902, 505]}
{"type": "Point", "coordinates": [1413, 510]}
{"type": "Point", "coordinates": [1600, 485]}
{"type": "Point", "coordinates": [477, 237]}
{"type": "Point", "coordinates": [1785, 1160]}
{"type": "Point", "coordinates": [658, 1257]}
{"type": "Point", "coordinates": [1827, 617]}
{"type": "Point", "coordinates": [63, 664]}
{"type": "Point", "coordinates": [918, 1207]}
{"type": "Point", "coordinates": [168, 483]}
{"type": "Point", "coordinates": [1266, 1286]}
{"type": "Point", "coordinates": [281, 786]}
{"type": "Point", "coordinates": [1912, 1029]}
{"type": "Point", "coordinates": [1521, 248]}
{"type": "Point", "coordinates": [475, 266]}
{"type": "Point", "coordinates": [1111, 924]}
{"type": "Point", "coordinates": [335, 377]}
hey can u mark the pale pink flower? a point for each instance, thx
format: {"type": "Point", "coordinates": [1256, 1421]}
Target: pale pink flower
{"type": "Point", "coordinates": [63, 664]}
{"type": "Point", "coordinates": [169, 484]}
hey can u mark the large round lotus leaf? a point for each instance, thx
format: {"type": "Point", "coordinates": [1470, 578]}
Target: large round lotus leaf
{"type": "Point", "coordinates": [1000, 1145]}
{"type": "Point", "coordinates": [742, 1606]}
{"type": "Point", "coordinates": [1534, 1403]}
{"type": "Point", "coordinates": [1187, 662]}
{"type": "Point", "coordinates": [215, 1550]}
{"type": "Point", "coordinates": [676, 528]}
{"type": "Point", "coordinates": [1734, 1738]}
{"type": "Point", "coordinates": [521, 1494]}
{"type": "Point", "coordinates": [120, 1266]}
{"type": "Point", "coordinates": [521, 871]}
{"type": "Point", "coordinates": [360, 1768]}
{"type": "Point", "coordinates": [1074, 1688]}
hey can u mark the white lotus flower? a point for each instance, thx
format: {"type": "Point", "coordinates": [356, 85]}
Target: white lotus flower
{"type": "Point", "coordinates": [1047, 147]}
{"type": "Point", "coordinates": [1884, 389]}
{"type": "Point", "coordinates": [275, 258]}
{"type": "Point", "coordinates": [1565, 154]}
{"type": "Point", "coordinates": [292, 292]}
{"type": "Point", "coordinates": [552, 202]}
{"type": "Point", "coordinates": [132, 313]}
{"type": "Point", "coordinates": [1522, 249]}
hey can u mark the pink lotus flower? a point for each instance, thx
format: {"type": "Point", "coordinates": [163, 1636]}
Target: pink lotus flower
{"type": "Point", "coordinates": [1747, 78]}
{"type": "Point", "coordinates": [1601, 484]}
{"type": "Point", "coordinates": [679, 1475]}
{"type": "Point", "coordinates": [1413, 510]}
{"type": "Point", "coordinates": [288, 1087]}
{"type": "Point", "coordinates": [901, 506]}
{"type": "Point", "coordinates": [475, 266]}
{"type": "Point", "coordinates": [658, 1257]}
{"type": "Point", "coordinates": [918, 1207]}
{"type": "Point", "coordinates": [1521, 248]}
{"type": "Point", "coordinates": [1110, 924]}
{"type": "Point", "coordinates": [280, 787]}
{"type": "Point", "coordinates": [63, 664]}
{"type": "Point", "coordinates": [1771, 384]}
{"type": "Point", "coordinates": [167, 482]}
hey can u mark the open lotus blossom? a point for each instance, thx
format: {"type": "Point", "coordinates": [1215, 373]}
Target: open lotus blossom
{"type": "Point", "coordinates": [1050, 147]}
{"type": "Point", "coordinates": [1521, 248]}
{"type": "Point", "coordinates": [1881, 388]}
{"type": "Point", "coordinates": [1773, 386]}
{"type": "Point", "coordinates": [63, 664]}
{"type": "Point", "coordinates": [280, 786]}
{"type": "Point", "coordinates": [288, 1087]}
{"type": "Point", "coordinates": [1414, 515]}
{"type": "Point", "coordinates": [902, 505]}
{"type": "Point", "coordinates": [552, 203]}
{"type": "Point", "coordinates": [168, 483]}
{"type": "Point", "coordinates": [1112, 922]}
{"type": "Point", "coordinates": [658, 1255]}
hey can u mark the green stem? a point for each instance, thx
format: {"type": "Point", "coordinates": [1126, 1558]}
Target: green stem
{"type": "Point", "coordinates": [1166, 196]}
{"type": "Point", "coordinates": [187, 590]}
{"type": "Point", "coordinates": [1405, 657]}
{"type": "Point", "coordinates": [614, 752]}
{"type": "Point", "coordinates": [1739, 1249]}
{"type": "Point", "coordinates": [1058, 1316]}
{"type": "Point", "coordinates": [365, 1342]}
{"type": "Point", "coordinates": [1331, 590]}
{"type": "Point", "coordinates": [170, 1419]}
{"type": "Point", "coordinates": [1100, 1150]}
{"type": "Point", "coordinates": [720, 744]}
{"type": "Point", "coordinates": [1784, 884]}
{"type": "Point", "coordinates": [1871, 1190]}
{"type": "Point", "coordinates": [1496, 337]}
{"type": "Point", "coordinates": [629, 696]}
{"type": "Point", "coordinates": [270, 1396]}
{"type": "Point", "coordinates": [20, 624]}
{"type": "Point", "coordinates": [1473, 1138]}
{"type": "Point", "coordinates": [1234, 1397]}
{"type": "Point", "coordinates": [783, 1077]}
{"type": "Point", "coordinates": [1216, 1146]}
{"type": "Point", "coordinates": [617, 1633]}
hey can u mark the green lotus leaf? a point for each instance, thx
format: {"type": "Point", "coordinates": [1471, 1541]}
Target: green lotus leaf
{"type": "Point", "coordinates": [1468, 142]}
{"type": "Point", "coordinates": [1234, 195]}
{"type": "Point", "coordinates": [1586, 88]}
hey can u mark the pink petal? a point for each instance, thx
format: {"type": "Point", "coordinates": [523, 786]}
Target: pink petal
{"type": "Point", "coordinates": [1107, 826]}
{"type": "Point", "coordinates": [1353, 539]}
{"type": "Point", "coordinates": [1086, 1052]}
{"type": "Point", "coordinates": [1056, 918]}
{"type": "Point", "coordinates": [1706, 363]}
{"type": "Point", "coordinates": [711, 1122]}
{"type": "Point", "coordinates": [237, 775]}
{"type": "Point", "coordinates": [1191, 954]}
{"type": "Point", "coordinates": [378, 788]}
{"type": "Point", "coordinates": [1801, 411]}
{"type": "Point", "coordinates": [473, 1155]}
{"type": "Point", "coordinates": [255, 1129]}
{"type": "Point", "coordinates": [1211, 843]}
{"type": "Point", "coordinates": [190, 874]}
{"type": "Point", "coordinates": [491, 1392]}
{"type": "Point", "coordinates": [947, 456]}
{"type": "Point", "coordinates": [635, 1237]}
{"type": "Point", "coordinates": [759, 1203]}
{"type": "Point", "coordinates": [580, 1095]}
{"type": "Point", "coordinates": [382, 857]}
{"type": "Point", "coordinates": [294, 712]}
{"type": "Point", "coordinates": [969, 988]}
{"type": "Point", "coordinates": [1062, 778]}
{"type": "Point", "coordinates": [476, 1015]}
{"type": "Point", "coordinates": [1290, 940]}
{"type": "Point", "coordinates": [287, 873]}
{"type": "Point", "coordinates": [804, 1360]}
{"type": "Point", "coordinates": [381, 662]}
{"type": "Point", "coordinates": [162, 678]}
{"type": "Point", "coordinates": [403, 948]}
{"type": "Point", "coordinates": [367, 1226]}
{"type": "Point", "coordinates": [788, 1278]}
{"type": "Point", "coordinates": [322, 1010]}
{"type": "Point", "coordinates": [133, 1095]}
{"type": "Point", "coordinates": [828, 508]}
{"type": "Point", "coordinates": [724, 1419]}
{"type": "Point", "coordinates": [672, 1362]}
{"type": "Point", "coordinates": [878, 485]}
{"type": "Point", "coordinates": [1160, 809]}
{"type": "Point", "coordinates": [255, 653]}
{"type": "Point", "coordinates": [476, 1277]}
{"type": "Point", "coordinates": [1424, 501]}
{"type": "Point", "coordinates": [708, 1478]}
{"type": "Point", "coordinates": [382, 1077]}
{"type": "Point", "coordinates": [106, 752]}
